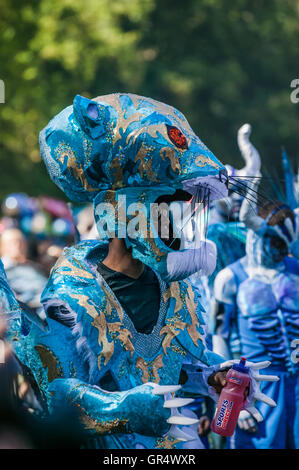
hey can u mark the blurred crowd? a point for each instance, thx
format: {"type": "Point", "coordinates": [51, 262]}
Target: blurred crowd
{"type": "Point", "coordinates": [33, 234]}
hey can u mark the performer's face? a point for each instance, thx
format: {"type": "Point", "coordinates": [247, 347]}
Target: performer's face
{"type": "Point", "coordinates": [13, 245]}
{"type": "Point", "coordinates": [274, 247]}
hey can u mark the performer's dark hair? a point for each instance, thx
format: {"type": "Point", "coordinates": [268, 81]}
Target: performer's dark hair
{"type": "Point", "coordinates": [280, 212]}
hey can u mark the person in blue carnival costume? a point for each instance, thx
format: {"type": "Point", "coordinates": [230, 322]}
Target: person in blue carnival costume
{"type": "Point", "coordinates": [125, 330]}
{"type": "Point", "coordinates": [260, 294]}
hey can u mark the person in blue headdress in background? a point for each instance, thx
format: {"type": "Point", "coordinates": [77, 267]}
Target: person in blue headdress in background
{"type": "Point", "coordinates": [260, 298]}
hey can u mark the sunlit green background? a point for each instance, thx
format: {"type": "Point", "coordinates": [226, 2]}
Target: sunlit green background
{"type": "Point", "coordinates": [221, 62]}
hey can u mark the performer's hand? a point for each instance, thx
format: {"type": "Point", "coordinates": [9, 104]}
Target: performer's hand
{"type": "Point", "coordinates": [204, 426]}
{"type": "Point", "coordinates": [246, 422]}
{"type": "Point", "coordinates": [255, 393]}
{"type": "Point", "coordinates": [217, 380]}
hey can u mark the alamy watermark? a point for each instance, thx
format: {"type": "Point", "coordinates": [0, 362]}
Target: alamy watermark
{"type": "Point", "coordinates": [2, 92]}
{"type": "Point", "coordinates": [294, 96]}
{"type": "Point", "coordinates": [138, 220]}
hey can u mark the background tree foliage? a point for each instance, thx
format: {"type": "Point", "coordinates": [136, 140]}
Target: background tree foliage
{"type": "Point", "coordinates": [222, 63]}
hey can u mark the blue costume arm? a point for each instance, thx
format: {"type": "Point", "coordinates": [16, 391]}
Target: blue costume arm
{"type": "Point", "coordinates": [135, 410]}
{"type": "Point", "coordinates": [63, 378]}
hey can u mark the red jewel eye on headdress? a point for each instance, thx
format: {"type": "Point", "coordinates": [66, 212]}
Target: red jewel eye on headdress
{"type": "Point", "coordinates": [177, 137]}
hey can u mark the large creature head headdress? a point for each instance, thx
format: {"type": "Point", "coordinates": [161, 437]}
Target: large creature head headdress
{"type": "Point", "coordinates": [123, 147]}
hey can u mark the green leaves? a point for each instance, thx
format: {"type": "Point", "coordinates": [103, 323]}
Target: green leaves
{"type": "Point", "coordinates": [221, 63]}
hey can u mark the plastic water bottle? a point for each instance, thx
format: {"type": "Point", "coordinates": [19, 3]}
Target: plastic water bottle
{"type": "Point", "coordinates": [232, 399]}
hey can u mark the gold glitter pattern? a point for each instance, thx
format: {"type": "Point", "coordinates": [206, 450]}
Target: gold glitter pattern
{"type": "Point", "coordinates": [123, 335]}
{"type": "Point", "coordinates": [173, 291]}
{"type": "Point", "coordinates": [115, 329]}
{"type": "Point", "coordinates": [175, 324]}
{"type": "Point", "coordinates": [72, 269]}
{"type": "Point", "coordinates": [49, 361]}
{"type": "Point", "coordinates": [191, 307]}
{"type": "Point", "coordinates": [101, 325]}
{"type": "Point", "coordinates": [167, 152]}
{"type": "Point", "coordinates": [64, 152]}
{"type": "Point", "coordinates": [102, 427]}
{"type": "Point", "coordinates": [150, 369]}
{"type": "Point", "coordinates": [143, 155]}
{"type": "Point", "coordinates": [203, 160]}
{"type": "Point", "coordinates": [166, 442]}
{"type": "Point", "coordinates": [171, 330]}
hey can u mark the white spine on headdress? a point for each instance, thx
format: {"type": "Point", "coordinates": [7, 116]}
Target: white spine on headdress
{"type": "Point", "coordinates": [248, 212]}
{"type": "Point", "coordinates": [249, 153]}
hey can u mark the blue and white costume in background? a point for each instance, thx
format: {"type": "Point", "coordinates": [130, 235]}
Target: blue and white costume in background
{"type": "Point", "coordinates": [225, 228]}
{"type": "Point", "coordinates": [261, 297]}
{"type": "Point", "coordinates": [228, 234]}
{"type": "Point", "coordinates": [119, 380]}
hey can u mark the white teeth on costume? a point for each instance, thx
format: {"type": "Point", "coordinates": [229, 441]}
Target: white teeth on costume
{"type": "Point", "coordinates": [173, 403]}
{"type": "Point", "coordinates": [162, 389]}
{"type": "Point", "coordinates": [268, 378]}
{"type": "Point", "coordinates": [177, 433]}
{"type": "Point", "coordinates": [262, 397]}
{"type": "Point", "coordinates": [177, 402]}
{"type": "Point", "coordinates": [255, 413]}
{"type": "Point", "coordinates": [181, 420]}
